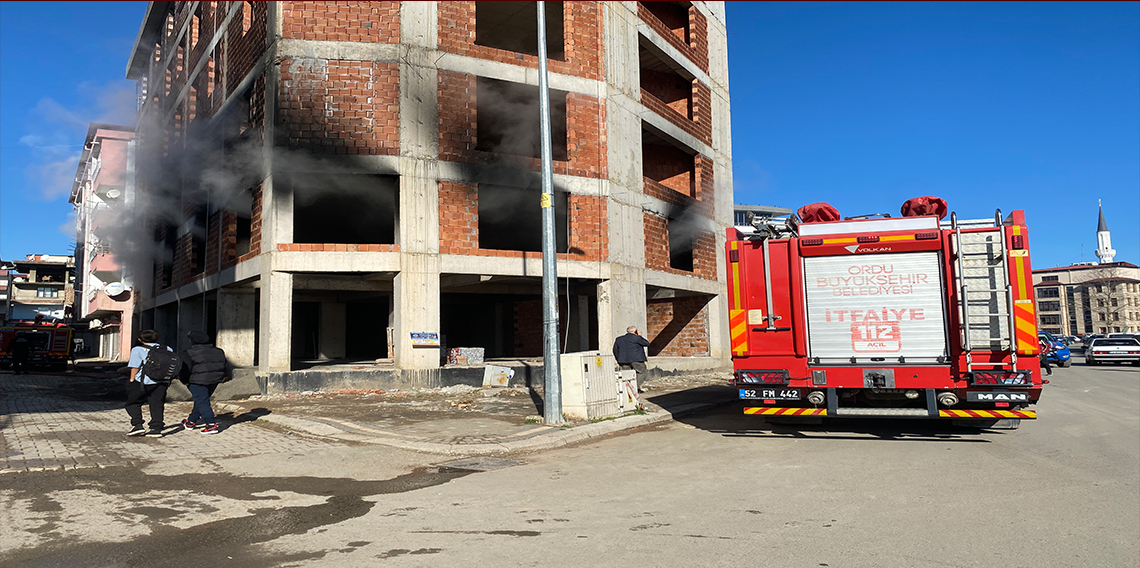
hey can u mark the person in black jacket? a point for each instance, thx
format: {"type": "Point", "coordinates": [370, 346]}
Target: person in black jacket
{"type": "Point", "coordinates": [204, 368]}
{"type": "Point", "coordinates": [629, 351]}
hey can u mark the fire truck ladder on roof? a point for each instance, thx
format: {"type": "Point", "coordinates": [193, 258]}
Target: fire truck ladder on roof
{"type": "Point", "coordinates": [985, 295]}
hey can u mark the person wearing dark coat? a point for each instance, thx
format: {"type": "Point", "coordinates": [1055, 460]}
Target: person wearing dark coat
{"type": "Point", "coordinates": [21, 350]}
{"type": "Point", "coordinates": [204, 367]}
{"type": "Point", "coordinates": [629, 352]}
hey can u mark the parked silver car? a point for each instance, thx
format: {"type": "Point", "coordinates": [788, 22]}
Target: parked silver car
{"type": "Point", "coordinates": [1113, 350]}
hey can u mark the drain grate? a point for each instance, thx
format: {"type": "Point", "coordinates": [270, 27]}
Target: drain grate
{"type": "Point", "coordinates": [480, 463]}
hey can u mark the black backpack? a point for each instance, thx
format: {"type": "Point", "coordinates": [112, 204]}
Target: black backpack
{"type": "Point", "coordinates": [161, 365]}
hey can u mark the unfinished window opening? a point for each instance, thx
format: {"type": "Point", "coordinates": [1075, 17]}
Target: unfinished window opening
{"type": "Point", "coordinates": [210, 77]}
{"type": "Point", "coordinates": [166, 235]}
{"type": "Point", "coordinates": [681, 237]}
{"type": "Point", "coordinates": [192, 104]}
{"type": "Point", "coordinates": [198, 241]}
{"type": "Point", "coordinates": [246, 17]}
{"type": "Point", "coordinates": [241, 205]}
{"type": "Point", "coordinates": [344, 208]}
{"type": "Point", "coordinates": [195, 26]}
{"type": "Point", "coordinates": [510, 218]}
{"type": "Point", "coordinates": [508, 119]}
{"type": "Point", "coordinates": [664, 81]}
{"type": "Point", "coordinates": [668, 164]}
{"type": "Point", "coordinates": [675, 16]}
{"type": "Point", "coordinates": [513, 26]}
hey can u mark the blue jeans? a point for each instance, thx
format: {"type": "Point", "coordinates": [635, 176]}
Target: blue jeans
{"type": "Point", "coordinates": [202, 411]}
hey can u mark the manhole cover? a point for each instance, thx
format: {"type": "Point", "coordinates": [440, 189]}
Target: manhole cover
{"type": "Point", "coordinates": [480, 464]}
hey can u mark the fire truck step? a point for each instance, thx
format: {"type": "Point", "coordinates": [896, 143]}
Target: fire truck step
{"type": "Point", "coordinates": [882, 412]}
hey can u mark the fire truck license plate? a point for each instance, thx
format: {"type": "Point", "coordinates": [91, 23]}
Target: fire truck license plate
{"type": "Point", "coordinates": [770, 394]}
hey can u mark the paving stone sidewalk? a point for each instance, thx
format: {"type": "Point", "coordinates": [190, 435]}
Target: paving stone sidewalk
{"type": "Point", "coordinates": [70, 422]}
{"type": "Point", "coordinates": [75, 421]}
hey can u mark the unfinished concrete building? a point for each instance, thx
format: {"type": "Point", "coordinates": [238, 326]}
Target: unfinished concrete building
{"type": "Point", "coordinates": [321, 180]}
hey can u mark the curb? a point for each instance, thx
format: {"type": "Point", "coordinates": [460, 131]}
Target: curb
{"type": "Point", "coordinates": [555, 438]}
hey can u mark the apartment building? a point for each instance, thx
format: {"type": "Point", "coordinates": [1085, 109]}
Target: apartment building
{"type": "Point", "coordinates": [325, 181]}
{"type": "Point", "coordinates": [104, 298]}
{"type": "Point", "coordinates": [42, 285]}
{"type": "Point", "coordinates": [1088, 298]}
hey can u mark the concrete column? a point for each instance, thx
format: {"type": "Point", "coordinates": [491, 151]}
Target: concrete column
{"type": "Point", "coordinates": [235, 325]}
{"type": "Point", "coordinates": [621, 300]}
{"type": "Point", "coordinates": [332, 330]}
{"type": "Point", "coordinates": [276, 322]}
{"type": "Point", "coordinates": [416, 287]}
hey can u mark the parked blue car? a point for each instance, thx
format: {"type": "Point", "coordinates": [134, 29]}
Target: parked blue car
{"type": "Point", "coordinates": [1060, 354]}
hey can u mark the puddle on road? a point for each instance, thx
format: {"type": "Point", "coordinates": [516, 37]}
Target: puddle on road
{"type": "Point", "coordinates": [214, 543]}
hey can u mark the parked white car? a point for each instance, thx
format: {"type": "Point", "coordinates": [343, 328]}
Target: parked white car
{"type": "Point", "coordinates": [1113, 350]}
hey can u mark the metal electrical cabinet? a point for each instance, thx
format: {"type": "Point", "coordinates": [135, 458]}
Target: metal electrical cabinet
{"type": "Point", "coordinates": [589, 386]}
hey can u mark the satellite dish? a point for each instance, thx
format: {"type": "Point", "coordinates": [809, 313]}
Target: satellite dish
{"type": "Point", "coordinates": [113, 193]}
{"type": "Point", "coordinates": [115, 288]}
{"type": "Point", "coordinates": [95, 323]}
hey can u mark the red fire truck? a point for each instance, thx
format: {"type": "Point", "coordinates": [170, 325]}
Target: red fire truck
{"type": "Point", "coordinates": [51, 342]}
{"type": "Point", "coordinates": [880, 316]}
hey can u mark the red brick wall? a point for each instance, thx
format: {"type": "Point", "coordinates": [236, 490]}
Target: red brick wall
{"type": "Point", "coordinates": [668, 166]}
{"type": "Point", "coordinates": [678, 327]}
{"type": "Point", "coordinates": [697, 49]}
{"type": "Point", "coordinates": [458, 218]}
{"type": "Point", "coordinates": [459, 224]}
{"type": "Point", "coordinates": [671, 89]}
{"type": "Point", "coordinates": [342, 107]}
{"type": "Point", "coordinates": [245, 47]}
{"type": "Point", "coordinates": [369, 22]}
{"type": "Point", "coordinates": [589, 239]}
{"type": "Point", "coordinates": [585, 130]}
{"type": "Point", "coordinates": [255, 226]}
{"type": "Point", "coordinates": [657, 249]}
{"type": "Point", "coordinates": [583, 39]}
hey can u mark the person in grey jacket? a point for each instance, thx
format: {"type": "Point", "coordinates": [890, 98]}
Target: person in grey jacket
{"type": "Point", "coordinates": [204, 368]}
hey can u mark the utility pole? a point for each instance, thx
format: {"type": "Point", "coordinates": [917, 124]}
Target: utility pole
{"type": "Point", "coordinates": [552, 369]}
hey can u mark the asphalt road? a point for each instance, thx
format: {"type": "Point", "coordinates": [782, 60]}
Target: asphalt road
{"type": "Point", "coordinates": [719, 489]}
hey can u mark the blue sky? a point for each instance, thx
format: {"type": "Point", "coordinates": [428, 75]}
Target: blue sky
{"type": "Point", "coordinates": [1032, 106]}
{"type": "Point", "coordinates": [989, 106]}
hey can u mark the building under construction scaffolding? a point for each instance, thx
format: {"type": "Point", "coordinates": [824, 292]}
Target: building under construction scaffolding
{"type": "Point", "coordinates": [319, 181]}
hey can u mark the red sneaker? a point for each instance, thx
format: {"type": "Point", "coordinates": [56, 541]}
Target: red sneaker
{"type": "Point", "coordinates": [210, 429]}
{"type": "Point", "coordinates": [188, 425]}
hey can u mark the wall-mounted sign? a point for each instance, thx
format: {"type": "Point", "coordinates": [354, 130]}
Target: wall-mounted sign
{"type": "Point", "coordinates": [425, 338]}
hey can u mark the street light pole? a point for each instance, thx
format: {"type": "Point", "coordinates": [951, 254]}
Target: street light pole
{"type": "Point", "coordinates": [552, 399]}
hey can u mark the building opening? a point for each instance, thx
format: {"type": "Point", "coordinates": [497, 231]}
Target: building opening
{"type": "Point", "coordinates": [508, 119]}
{"type": "Point", "coordinates": [503, 315]}
{"type": "Point", "coordinates": [681, 238]}
{"type": "Point", "coordinates": [513, 26]}
{"type": "Point", "coordinates": [675, 16]}
{"type": "Point", "coordinates": [666, 164]}
{"type": "Point", "coordinates": [344, 208]}
{"type": "Point", "coordinates": [664, 81]}
{"type": "Point", "coordinates": [677, 322]}
{"type": "Point", "coordinates": [510, 218]}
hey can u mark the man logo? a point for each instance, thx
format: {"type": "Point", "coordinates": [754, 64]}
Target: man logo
{"type": "Point", "coordinates": [998, 396]}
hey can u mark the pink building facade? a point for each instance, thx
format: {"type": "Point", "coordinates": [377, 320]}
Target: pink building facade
{"type": "Point", "coordinates": [104, 296]}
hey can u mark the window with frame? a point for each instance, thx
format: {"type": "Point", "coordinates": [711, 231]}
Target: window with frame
{"type": "Point", "coordinates": [1050, 320]}
{"type": "Point", "coordinates": [1050, 306]}
{"type": "Point", "coordinates": [1050, 278]}
{"type": "Point", "coordinates": [46, 292]}
{"type": "Point", "coordinates": [1048, 293]}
